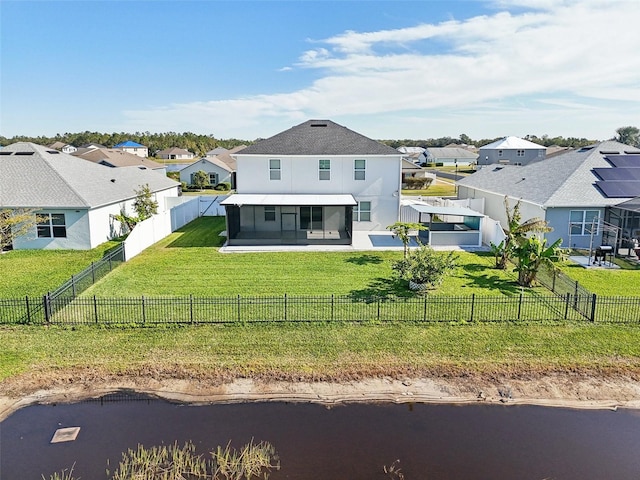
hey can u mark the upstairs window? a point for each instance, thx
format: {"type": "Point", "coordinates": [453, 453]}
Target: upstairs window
{"type": "Point", "coordinates": [51, 225]}
{"type": "Point", "coordinates": [499, 153]}
{"type": "Point", "coordinates": [359, 169]}
{"type": "Point", "coordinates": [519, 153]}
{"type": "Point", "coordinates": [324, 169]}
{"type": "Point", "coordinates": [274, 169]}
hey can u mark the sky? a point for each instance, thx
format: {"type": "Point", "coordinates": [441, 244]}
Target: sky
{"type": "Point", "coordinates": [396, 69]}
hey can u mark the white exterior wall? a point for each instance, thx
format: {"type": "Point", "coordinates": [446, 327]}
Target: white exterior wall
{"type": "Point", "coordinates": [139, 151]}
{"type": "Point", "coordinates": [300, 175]}
{"type": "Point", "coordinates": [205, 166]}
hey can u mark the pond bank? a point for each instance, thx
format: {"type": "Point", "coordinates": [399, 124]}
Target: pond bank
{"type": "Point", "coordinates": [555, 390]}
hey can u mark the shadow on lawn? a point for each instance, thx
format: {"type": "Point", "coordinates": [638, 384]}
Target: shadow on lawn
{"type": "Point", "coordinates": [382, 287]}
{"type": "Point", "coordinates": [475, 276]}
{"type": "Point", "coordinates": [364, 259]}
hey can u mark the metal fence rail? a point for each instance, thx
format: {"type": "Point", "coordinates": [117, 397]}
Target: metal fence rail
{"type": "Point", "coordinates": [560, 284]}
{"type": "Point", "coordinates": [85, 310]}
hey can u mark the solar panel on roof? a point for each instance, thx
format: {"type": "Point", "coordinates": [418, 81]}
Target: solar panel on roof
{"type": "Point", "coordinates": [617, 173]}
{"type": "Point", "coordinates": [624, 160]}
{"type": "Point", "coordinates": [619, 188]}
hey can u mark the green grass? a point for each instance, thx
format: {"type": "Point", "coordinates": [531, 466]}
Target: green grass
{"type": "Point", "coordinates": [34, 272]}
{"type": "Point", "coordinates": [188, 262]}
{"type": "Point", "coordinates": [438, 190]}
{"type": "Point", "coordinates": [608, 282]}
{"type": "Point", "coordinates": [318, 352]}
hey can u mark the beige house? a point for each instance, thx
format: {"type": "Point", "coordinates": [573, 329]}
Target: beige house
{"type": "Point", "coordinates": [175, 153]}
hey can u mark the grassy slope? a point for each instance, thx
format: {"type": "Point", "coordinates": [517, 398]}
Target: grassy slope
{"type": "Point", "coordinates": [199, 269]}
{"type": "Point", "coordinates": [34, 272]}
{"type": "Point", "coordinates": [321, 351]}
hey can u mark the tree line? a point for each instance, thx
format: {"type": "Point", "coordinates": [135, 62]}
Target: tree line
{"type": "Point", "coordinates": [200, 144]}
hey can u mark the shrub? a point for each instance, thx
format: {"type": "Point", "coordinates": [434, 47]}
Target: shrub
{"type": "Point", "coordinates": [439, 164]}
{"type": "Point", "coordinates": [425, 266]}
{"type": "Point", "coordinates": [418, 183]}
{"type": "Point", "coordinates": [223, 186]}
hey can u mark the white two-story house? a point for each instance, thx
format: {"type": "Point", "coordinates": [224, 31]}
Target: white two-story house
{"type": "Point", "coordinates": [313, 184]}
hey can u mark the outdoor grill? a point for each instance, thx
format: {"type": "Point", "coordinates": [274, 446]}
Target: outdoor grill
{"type": "Point", "coordinates": [601, 254]}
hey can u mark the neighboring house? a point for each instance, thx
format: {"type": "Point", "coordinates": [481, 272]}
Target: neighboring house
{"type": "Point", "coordinates": [216, 170]}
{"type": "Point", "coordinates": [63, 147]}
{"type": "Point", "coordinates": [75, 199]}
{"type": "Point", "coordinates": [448, 156]}
{"type": "Point", "coordinates": [175, 153]}
{"type": "Point", "coordinates": [215, 152]}
{"type": "Point", "coordinates": [117, 158]}
{"type": "Point", "coordinates": [412, 154]}
{"type": "Point", "coordinates": [410, 169]}
{"type": "Point", "coordinates": [220, 168]}
{"type": "Point", "coordinates": [510, 151]}
{"type": "Point", "coordinates": [575, 192]}
{"type": "Point", "coordinates": [314, 183]}
{"type": "Point", "coordinates": [132, 147]}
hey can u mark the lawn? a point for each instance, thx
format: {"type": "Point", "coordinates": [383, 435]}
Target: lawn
{"type": "Point", "coordinates": [188, 262]}
{"type": "Point", "coordinates": [304, 351]}
{"type": "Point", "coordinates": [623, 282]}
{"type": "Point", "coordinates": [34, 272]}
{"type": "Point", "coordinates": [435, 190]}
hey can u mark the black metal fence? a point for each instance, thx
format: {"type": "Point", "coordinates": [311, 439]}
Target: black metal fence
{"type": "Point", "coordinates": [562, 285]}
{"type": "Point", "coordinates": [87, 310]}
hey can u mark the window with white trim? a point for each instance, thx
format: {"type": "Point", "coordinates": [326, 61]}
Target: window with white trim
{"type": "Point", "coordinates": [51, 225]}
{"type": "Point", "coordinates": [519, 153]}
{"type": "Point", "coordinates": [274, 169]}
{"type": "Point", "coordinates": [584, 222]}
{"type": "Point", "coordinates": [324, 169]}
{"type": "Point", "coordinates": [359, 169]}
{"type": "Point", "coordinates": [362, 212]}
{"type": "Point", "coordinates": [270, 214]}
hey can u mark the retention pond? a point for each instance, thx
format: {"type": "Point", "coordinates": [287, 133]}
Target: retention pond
{"type": "Point", "coordinates": [352, 441]}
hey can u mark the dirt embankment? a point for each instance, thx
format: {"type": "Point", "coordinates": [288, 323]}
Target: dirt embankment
{"type": "Point", "coordinates": [574, 390]}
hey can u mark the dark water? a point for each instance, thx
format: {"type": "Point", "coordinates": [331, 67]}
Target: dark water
{"type": "Point", "coordinates": [433, 442]}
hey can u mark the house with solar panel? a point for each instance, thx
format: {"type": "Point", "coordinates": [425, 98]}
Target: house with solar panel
{"type": "Point", "coordinates": [589, 195]}
{"type": "Point", "coordinates": [510, 151]}
{"type": "Point", "coordinates": [74, 201]}
{"type": "Point", "coordinates": [132, 147]}
{"type": "Point", "coordinates": [314, 183]}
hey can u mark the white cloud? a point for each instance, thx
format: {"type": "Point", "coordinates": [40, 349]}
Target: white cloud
{"type": "Point", "coordinates": [584, 51]}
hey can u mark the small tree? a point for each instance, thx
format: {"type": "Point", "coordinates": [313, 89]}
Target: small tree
{"type": "Point", "coordinates": [14, 223]}
{"type": "Point", "coordinates": [144, 204]}
{"type": "Point", "coordinates": [403, 229]}
{"type": "Point", "coordinates": [201, 179]}
{"type": "Point", "coordinates": [532, 254]}
{"type": "Point", "coordinates": [516, 233]}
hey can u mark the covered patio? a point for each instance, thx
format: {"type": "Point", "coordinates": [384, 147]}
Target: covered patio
{"type": "Point", "coordinates": [449, 225]}
{"type": "Point", "coordinates": [296, 219]}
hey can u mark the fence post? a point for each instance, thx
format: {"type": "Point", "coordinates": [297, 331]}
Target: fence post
{"type": "Point", "coordinates": [238, 307]}
{"type": "Point", "coordinates": [26, 299]}
{"type": "Point", "coordinates": [95, 308]}
{"type": "Point", "coordinates": [566, 305]}
{"type": "Point", "coordinates": [593, 307]}
{"type": "Point", "coordinates": [332, 307]}
{"type": "Point", "coordinates": [73, 287]}
{"type": "Point", "coordinates": [575, 296]}
{"type": "Point", "coordinates": [46, 307]}
{"type": "Point", "coordinates": [285, 307]}
{"type": "Point", "coordinates": [473, 302]}
{"type": "Point", "coordinates": [520, 306]}
{"type": "Point", "coordinates": [191, 308]}
{"type": "Point", "coordinates": [93, 273]}
{"type": "Point", "coordinates": [553, 281]}
{"type": "Point", "coordinates": [424, 313]}
{"type": "Point", "coordinates": [378, 309]}
{"type": "Point", "coordinates": [144, 315]}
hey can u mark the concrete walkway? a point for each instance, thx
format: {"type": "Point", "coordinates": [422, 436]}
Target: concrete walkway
{"type": "Point", "coordinates": [362, 241]}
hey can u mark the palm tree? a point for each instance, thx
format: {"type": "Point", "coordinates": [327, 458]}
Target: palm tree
{"type": "Point", "coordinates": [402, 231]}
{"type": "Point", "coordinates": [516, 233]}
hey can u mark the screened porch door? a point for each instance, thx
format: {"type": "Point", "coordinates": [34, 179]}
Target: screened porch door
{"type": "Point", "coordinates": [310, 218]}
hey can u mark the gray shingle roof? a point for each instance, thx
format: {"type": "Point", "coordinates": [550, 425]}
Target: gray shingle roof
{"type": "Point", "coordinates": [44, 178]}
{"type": "Point", "coordinates": [565, 180]}
{"type": "Point", "coordinates": [318, 137]}
{"type": "Point", "coordinates": [450, 152]}
{"type": "Point", "coordinates": [116, 158]}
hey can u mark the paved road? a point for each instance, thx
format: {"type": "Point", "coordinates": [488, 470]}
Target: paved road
{"type": "Point", "coordinates": [447, 175]}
